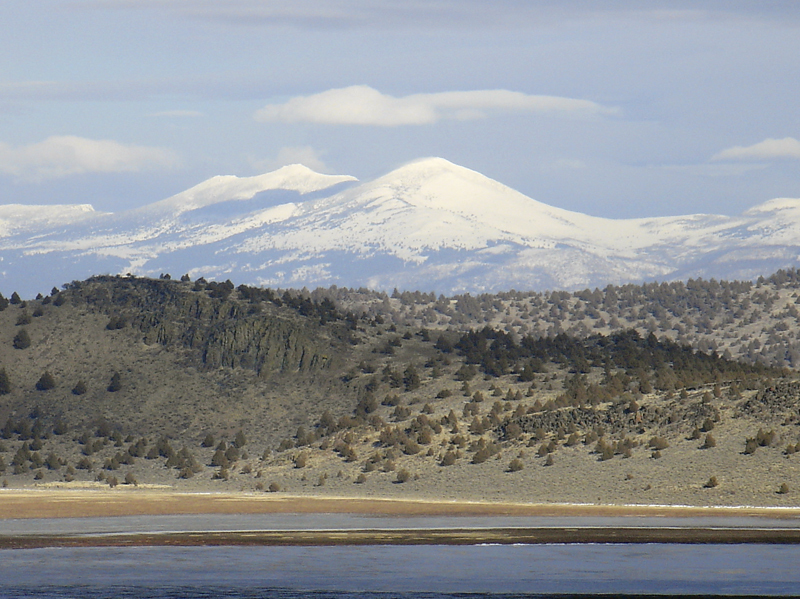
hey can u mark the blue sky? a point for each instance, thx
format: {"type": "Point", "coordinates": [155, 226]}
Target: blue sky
{"type": "Point", "coordinates": [614, 108]}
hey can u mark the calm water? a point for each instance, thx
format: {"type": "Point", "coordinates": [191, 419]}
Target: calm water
{"type": "Point", "coordinates": [400, 571]}
{"type": "Point", "coordinates": [413, 572]}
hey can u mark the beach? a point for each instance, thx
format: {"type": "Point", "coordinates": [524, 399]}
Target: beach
{"type": "Point", "coordinates": [45, 503]}
{"type": "Point", "coordinates": [373, 521]}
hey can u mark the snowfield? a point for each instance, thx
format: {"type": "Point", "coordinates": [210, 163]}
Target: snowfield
{"type": "Point", "coordinates": [429, 225]}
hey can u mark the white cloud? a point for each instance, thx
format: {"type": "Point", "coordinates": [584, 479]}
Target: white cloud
{"type": "Point", "coordinates": [305, 155]}
{"type": "Point", "coordinates": [61, 156]}
{"type": "Point", "coordinates": [788, 147]}
{"type": "Point", "coordinates": [362, 105]}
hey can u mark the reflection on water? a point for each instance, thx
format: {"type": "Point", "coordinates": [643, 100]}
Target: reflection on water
{"type": "Point", "coordinates": [404, 570]}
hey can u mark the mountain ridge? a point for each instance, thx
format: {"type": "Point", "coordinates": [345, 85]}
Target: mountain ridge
{"type": "Point", "coordinates": [430, 224]}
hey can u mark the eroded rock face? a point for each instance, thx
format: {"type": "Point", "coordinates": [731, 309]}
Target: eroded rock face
{"type": "Point", "coordinates": [222, 331]}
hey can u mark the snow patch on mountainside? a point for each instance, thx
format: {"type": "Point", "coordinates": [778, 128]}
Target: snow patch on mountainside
{"type": "Point", "coordinates": [295, 177]}
{"type": "Point", "coordinates": [21, 218]}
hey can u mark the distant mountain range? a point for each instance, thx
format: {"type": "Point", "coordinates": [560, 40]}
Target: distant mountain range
{"type": "Point", "coordinates": [430, 225]}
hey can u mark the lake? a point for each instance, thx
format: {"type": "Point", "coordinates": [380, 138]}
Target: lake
{"type": "Point", "coordinates": [429, 572]}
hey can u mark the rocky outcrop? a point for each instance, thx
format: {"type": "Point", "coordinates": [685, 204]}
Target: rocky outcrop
{"type": "Point", "coordinates": [221, 332]}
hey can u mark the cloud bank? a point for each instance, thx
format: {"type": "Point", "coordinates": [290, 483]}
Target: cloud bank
{"type": "Point", "coordinates": [363, 105]}
{"type": "Point", "coordinates": [62, 156]}
{"type": "Point", "coordinates": [788, 147]}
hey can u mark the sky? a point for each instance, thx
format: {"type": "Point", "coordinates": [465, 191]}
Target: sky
{"type": "Point", "coordinates": [617, 108]}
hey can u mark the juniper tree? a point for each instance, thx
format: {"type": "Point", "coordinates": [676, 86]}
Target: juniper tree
{"type": "Point", "coordinates": [116, 382]}
{"type": "Point", "coordinates": [46, 382]}
{"type": "Point", "coordinates": [22, 340]}
{"type": "Point", "coordinates": [5, 383]}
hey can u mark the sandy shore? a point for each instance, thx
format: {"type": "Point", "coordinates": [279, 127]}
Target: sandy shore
{"type": "Point", "coordinates": [141, 502]}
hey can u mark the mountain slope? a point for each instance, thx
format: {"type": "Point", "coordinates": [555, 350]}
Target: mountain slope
{"type": "Point", "coordinates": [428, 225]}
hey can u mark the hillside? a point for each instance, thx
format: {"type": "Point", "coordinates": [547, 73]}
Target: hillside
{"type": "Point", "coordinates": [203, 385]}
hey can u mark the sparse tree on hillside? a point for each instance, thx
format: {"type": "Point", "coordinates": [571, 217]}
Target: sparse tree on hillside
{"type": "Point", "coordinates": [22, 340]}
{"type": "Point", "coordinates": [5, 383]}
{"type": "Point", "coordinates": [116, 382]}
{"type": "Point", "coordinates": [240, 440]}
{"type": "Point", "coordinates": [46, 382]}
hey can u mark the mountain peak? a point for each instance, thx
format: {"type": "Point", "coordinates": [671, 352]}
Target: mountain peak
{"type": "Point", "coordinates": [224, 188]}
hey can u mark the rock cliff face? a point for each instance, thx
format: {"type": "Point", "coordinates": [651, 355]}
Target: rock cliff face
{"type": "Point", "coordinates": [221, 332]}
{"type": "Point", "coordinates": [162, 357]}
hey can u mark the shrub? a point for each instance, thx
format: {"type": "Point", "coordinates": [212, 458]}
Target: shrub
{"type": "Point", "coordinates": [232, 454]}
{"type": "Point", "coordinates": [116, 383]}
{"type": "Point", "coordinates": [783, 489]}
{"type": "Point", "coordinates": [658, 443]}
{"type": "Point", "coordinates": [5, 383]}
{"type": "Point", "coordinates": [606, 451]}
{"type": "Point", "coordinates": [24, 319]}
{"type": "Point", "coordinates": [403, 476]}
{"type": "Point", "coordinates": [709, 442]}
{"type": "Point", "coordinates": [750, 446]}
{"type": "Point", "coordinates": [219, 459]}
{"type": "Point", "coordinates": [22, 340]}
{"type": "Point", "coordinates": [361, 479]}
{"type": "Point", "coordinates": [708, 425]}
{"type": "Point", "coordinates": [116, 323]}
{"type": "Point", "coordinates": [300, 460]}
{"type": "Point", "coordinates": [79, 388]}
{"type": "Point", "coordinates": [240, 440]}
{"type": "Point", "coordinates": [130, 479]}
{"type": "Point", "coordinates": [274, 487]}
{"type": "Point", "coordinates": [711, 483]}
{"type": "Point", "coordinates": [448, 459]}
{"type": "Point", "coordinates": [516, 465]}
{"type": "Point", "coordinates": [46, 382]}
{"type": "Point", "coordinates": [52, 461]}
{"type": "Point", "coordinates": [765, 438]}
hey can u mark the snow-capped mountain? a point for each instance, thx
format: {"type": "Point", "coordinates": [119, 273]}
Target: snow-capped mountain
{"type": "Point", "coordinates": [429, 225]}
